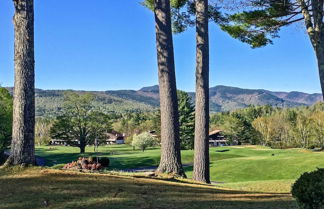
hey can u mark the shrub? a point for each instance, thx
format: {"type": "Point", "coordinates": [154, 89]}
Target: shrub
{"type": "Point", "coordinates": [309, 190]}
{"type": "Point", "coordinates": [104, 161]}
{"type": "Point", "coordinates": [3, 158]}
{"type": "Point", "coordinates": [143, 141]}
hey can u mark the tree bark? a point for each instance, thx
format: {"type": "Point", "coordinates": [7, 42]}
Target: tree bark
{"type": "Point", "coordinates": [320, 61]}
{"type": "Point", "coordinates": [201, 146]}
{"type": "Point", "coordinates": [170, 142]}
{"type": "Point", "coordinates": [82, 144]}
{"type": "Point", "coordinates": [315, 29]}
{"type": "Point", "coordinates": [22, 147]}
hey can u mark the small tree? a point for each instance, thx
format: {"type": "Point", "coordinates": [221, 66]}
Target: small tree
{"type": "Point", "coordinates": [318, 127]}
{"type": "Point", "coordinates": [143, 141]}
{"type": "Point", "coordinates": [303, 129]}
{"type": "Point", "coordinates": [80, 121]}
{"type": "Point", "coordinates": [187, 120]}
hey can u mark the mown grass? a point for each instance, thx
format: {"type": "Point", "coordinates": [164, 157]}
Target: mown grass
{"type": "Point", "coordinates": [36, 188]}
{"type": "Point", "coordinates": [245, 168]}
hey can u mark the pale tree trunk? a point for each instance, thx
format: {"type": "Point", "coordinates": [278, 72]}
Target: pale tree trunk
{"type": "Point", "coordinates": [315, 28]}
{"type": "Point", "coordinates": [320, 61]}
{"type": "Point", "coordinates": [170, 140]}
{"type": "Point", "coordinates": [201, 157]}
{"type": "Point", "coordinates": [22, 146]}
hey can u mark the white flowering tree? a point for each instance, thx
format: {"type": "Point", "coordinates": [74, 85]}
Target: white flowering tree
{"type": "Point", "coordinates": [143, 141]}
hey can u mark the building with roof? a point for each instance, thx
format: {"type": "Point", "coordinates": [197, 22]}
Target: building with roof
{"type": "Point", "coordinates": [114, 137]}
{"type": "Point", "coordinates": [217, 139]}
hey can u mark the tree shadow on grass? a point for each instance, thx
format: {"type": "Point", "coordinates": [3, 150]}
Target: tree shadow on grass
{"type": "Point", "coordinates": [132, 161]}
{"type": "Point", "coordinates": [72, 190]}
{"type": "Point", "coordinates": [119, 163]}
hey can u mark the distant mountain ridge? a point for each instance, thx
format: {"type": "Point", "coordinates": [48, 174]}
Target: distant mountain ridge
{"type": "Point", "coordinates": [222, 98]}
{"type": "Point", "coordinates": [227, 98]}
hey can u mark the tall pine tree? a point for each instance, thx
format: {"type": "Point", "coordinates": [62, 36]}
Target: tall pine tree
{"type": "Point", "coordinates": [187, 120]}
{"type": "Point", "coordinates": [170, 142]}
{"type": "Point", "coordinates": [23, 133]}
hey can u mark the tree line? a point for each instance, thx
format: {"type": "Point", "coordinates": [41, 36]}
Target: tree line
{"type": "Point", "coordinates": [301, 127]}
{"type": "Point", "coordinates": [256, 26]}
{"type": "Point", "coordinates": [80, 119]}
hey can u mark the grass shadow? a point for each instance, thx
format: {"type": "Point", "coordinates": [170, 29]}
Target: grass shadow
{"type": "Point", "coordinates": [29, 189]}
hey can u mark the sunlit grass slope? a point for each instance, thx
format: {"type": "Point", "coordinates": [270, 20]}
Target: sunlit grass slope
{"type": "Point", "coordinates": [244, 168]}
{"type": "Point", "coordinates": [36, 188]}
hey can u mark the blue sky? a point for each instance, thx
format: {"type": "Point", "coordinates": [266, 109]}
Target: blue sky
{"type": "Point", "coordinates": [107, 45]}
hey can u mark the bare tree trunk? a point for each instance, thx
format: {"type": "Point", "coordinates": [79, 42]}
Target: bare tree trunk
{"type": "Point", "coordinates": [320, 61]}
{"type": "Point", "coordinates": [22, 147]}
{"type": "Point", "coordinates": [315, 28]}
{"type": "Point", "coordinates": [82, 144]}
{"type": "Point", "coordinates": [170, 141]}
{"type": "Point", "coordinates": [201, 158]}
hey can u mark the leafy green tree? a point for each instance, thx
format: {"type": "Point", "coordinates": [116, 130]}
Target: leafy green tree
{"type": "Point", "coordinates": [261, 124]}
{"type": "Point", "coordinates": [187, 120]}
{"type": "Point", "coordinates": [143, 141]}
{"type": "Point", "coordinates": [5, 118]}
{"type": "Point", "coordinates": [303, 129]}
{"type": "Point", "coordinates": [275, 127]}
{"type": "Point", "coordinates": [156, 123]}
{"type": "Point", "coordinates": [80, 121]}
{"type": "Point", "coordinates": [233, 128]}
{"type": "Point", "coordinates": [134, 123]}
{"type": "Point", "coordinates": [318, 127]}
{"type": "Point", "coordinates": [262, 20]}
{"type": "Point", "coordinates": [237, 125]}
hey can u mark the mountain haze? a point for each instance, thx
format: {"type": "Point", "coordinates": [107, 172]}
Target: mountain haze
{"type": "Point", "coordinates": [222, 98]}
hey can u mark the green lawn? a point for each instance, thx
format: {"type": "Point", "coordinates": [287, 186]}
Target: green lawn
{"type": "Point", "coordinates": [36, 188]}
{"type": "Point", "coordinates": [250, 168]}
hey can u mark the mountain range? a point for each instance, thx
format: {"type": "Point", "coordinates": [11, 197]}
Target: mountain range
{"type": "Point", "coordinates": [222, 98]}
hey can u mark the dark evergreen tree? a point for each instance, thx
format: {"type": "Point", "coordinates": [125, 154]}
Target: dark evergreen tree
{"type": "Point", "coordinates": [187, 120]}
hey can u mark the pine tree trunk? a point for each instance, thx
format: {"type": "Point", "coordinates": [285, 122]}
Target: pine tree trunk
{"type": "Point", "coordinates": [320, 61]}
{"type": "Point", "coordinates": [170, 141]}
{"type": "Point", "coordinates": [22, 147]}
{"type": "Point", "coordinates": [201, 146]}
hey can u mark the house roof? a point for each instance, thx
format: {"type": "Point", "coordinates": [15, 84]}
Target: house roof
{"type": "Point", "coordinates": [215, 132]}
{"type": "Point", "coordinates": [218, 140]}
{"type": "Point", "coordinates": [114, 135]}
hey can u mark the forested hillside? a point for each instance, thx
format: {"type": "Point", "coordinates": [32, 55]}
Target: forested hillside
{"type": "Point", "coordinates": [222, 98]}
